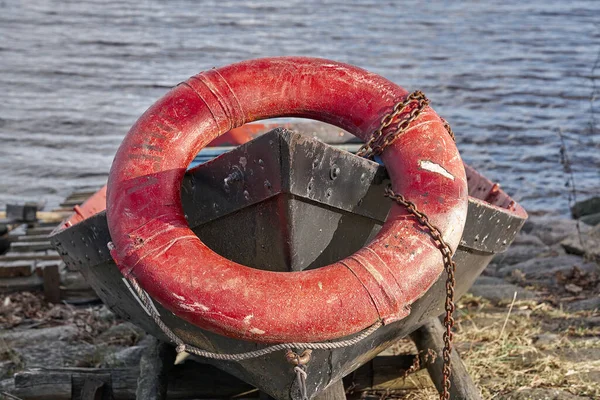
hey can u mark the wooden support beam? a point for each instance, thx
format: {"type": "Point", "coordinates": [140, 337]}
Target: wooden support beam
{"type": "Point", "coordinates": [429, 337]}
{"type": "Point", "coordinates": [51, 277]}
{"type": "Point", "coordinates": [97, 387]}
{"type": "Point", "coordinates": [335, 391]}
{"type": "Point", "coordinates": [155, 365]}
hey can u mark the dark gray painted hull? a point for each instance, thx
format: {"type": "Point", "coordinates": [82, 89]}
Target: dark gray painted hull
{"type": "Point", "coordinates": [280, 210]}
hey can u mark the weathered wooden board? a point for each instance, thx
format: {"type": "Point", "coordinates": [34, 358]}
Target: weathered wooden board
{"type": "Point", "coordinates": [190, 380]}
{"type": "Point", "coordinates": [45, 256]}
{"type": "Point", "coordinates": [46, 216]}
{"type": "Point", "coordinates": [29, 283]}
{"type": "Point", "coordinates": [39, 230]}
{"type": "Point", "coordinates": [24, 247]}
{"type": "Point", "coordinates": [429, 337]}
{"type": "Point", "coordinates": [32, 238]}
{"type": "Point", "coordinates": [194, 380]}
{"type": "Point", "coordinates": [13, 269]}
{"type": "Point", "coordinates": [51, 278]}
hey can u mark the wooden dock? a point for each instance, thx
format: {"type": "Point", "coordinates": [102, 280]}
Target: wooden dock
{"type": "Point", "coordinates": [32, 264]}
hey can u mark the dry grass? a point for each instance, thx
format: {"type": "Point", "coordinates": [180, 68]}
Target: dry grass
{"type": "Point", "coordinates": [540, 347]}
{"type": "Point", "coordinates": [534, 345]}
{"type": "Point", "coordinates": [25, 310]}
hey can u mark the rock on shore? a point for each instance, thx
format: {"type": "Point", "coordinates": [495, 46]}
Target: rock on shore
{"type": "Point", "coordinates": [556, 256]}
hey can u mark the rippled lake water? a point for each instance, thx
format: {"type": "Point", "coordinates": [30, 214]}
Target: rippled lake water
{"type": "Point", "coordinates": [75, 75]}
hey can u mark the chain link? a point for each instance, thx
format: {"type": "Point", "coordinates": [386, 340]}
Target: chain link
{"type": "Point", "coordinates": [450, 268]}
{"type": "Point", "coordinates": [388, 133]}
{"type": "Point", "coordinates": [383, 137]}
{"type": "Point", "coordinates": [449, 129]}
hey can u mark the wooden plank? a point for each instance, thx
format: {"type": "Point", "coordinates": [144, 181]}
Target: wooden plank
{"type": "Point", "coordinates": [75, 289]}
{"type": "Point", "coordinates": [51, 277]}
{"type": "Point", "coordinates": [23, 247]}
{"type": "Point", "coordinates": [13, 269]}
{"type": "Point", "coordinates": [194, 380]}
{"type": "Point", "coordinates": [30, 256]}
{"type": "Point", "coordinates": [429, 337]}
{"type": "Point", "coordinates": [81, 193]}
{"type": "Point", "coordinates": [49, 223]}
{"type": "Point", "coordinates": [29, 283]}
{"type": "Point", "coordinates": [40, 230]}
{"type": "Point", "coordinates": [72, 203]}
{"type": "Point", "coordinates": [96, 387]}
{"type": "Point", "coordinates": [32, 238]}
{"type": "Point", "coordinates": [63, 210]}
{"type": "Point", "coordinates": [188, 380]}
{"type": "Point", "coordinates": [47, 216]}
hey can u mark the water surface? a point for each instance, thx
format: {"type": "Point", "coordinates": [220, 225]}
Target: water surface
{"type": "Point", "coordinates": [75, 75]}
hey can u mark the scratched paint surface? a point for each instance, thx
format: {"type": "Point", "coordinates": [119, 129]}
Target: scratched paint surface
{"type": "Point", "coordinates": [75, 75]}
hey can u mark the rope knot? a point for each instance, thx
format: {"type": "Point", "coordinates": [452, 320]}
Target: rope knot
{"type": "Point", "coordinates": [298, 359]}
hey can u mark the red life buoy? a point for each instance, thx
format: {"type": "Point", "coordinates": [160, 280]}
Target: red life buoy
{"type": "Point", "coordinates": [379, 282]}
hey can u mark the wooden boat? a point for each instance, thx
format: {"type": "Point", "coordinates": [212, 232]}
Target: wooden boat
{"type": "Point", "coordinates": [282, 226]}
{"type": "Point", "coordinates": [287, 240]}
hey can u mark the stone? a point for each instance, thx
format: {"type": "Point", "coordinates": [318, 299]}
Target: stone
{"type": "Point", "coordinates": [519, 252]}
{"type": "Point", "coordinates": [105, 314]}
{"type": "Point", "coordinates": [591, 220]}
{"type": "Point", "coordinates": [7, 385]}
{"type": "Point", "coordinates": [572, 288]}
{"type": "Point", "coordinates": [586, 244]}
{"type": "Point", "coordinates": [125, 333]}
{"type": "Point", "coordinates": [553, 229]}
{"type": "Point", "coordinates": [586, 207]}
{"type": "Point", "coordinates": [61, 354]}
{"type": "Point", "coordinates": [545, 268]}
{"type": "Point", "coordinates": [584, 305]}
{"type": "Point", "coordinates": [546, 339]}
{"type": "Point", "coordinates": [525, 239]}
{"type": "Point", "coordinates": [7, 368]}
{"type": "Point", "coordinates": [540, 394]}
{"type": "Point", "coordinates": [127, 357]}
{"type": "Point", "coordinates": [23, 337]}
{"type": "Point", "coordinates": [499, 291]}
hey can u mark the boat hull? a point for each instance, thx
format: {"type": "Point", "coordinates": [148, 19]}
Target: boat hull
{"type": "Point", "coordinates": [267, 219]}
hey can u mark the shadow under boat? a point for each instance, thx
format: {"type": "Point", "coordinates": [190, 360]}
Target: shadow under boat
{"type": "Point", "coordinates": [288, 202]}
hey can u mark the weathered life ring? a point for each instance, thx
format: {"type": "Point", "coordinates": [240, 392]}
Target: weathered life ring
{"type": "Point", "coordinates": [152, 240]}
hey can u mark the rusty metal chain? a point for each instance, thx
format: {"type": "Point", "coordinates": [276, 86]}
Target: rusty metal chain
{"type": "Point", "coordinates": [386, 135]}
{"type": "Point", "coordinates": [383, 137]}
{"type": "Point", "coordinates": [450, 268]}
{"type": "Point", "coordinates": [448, 128]}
